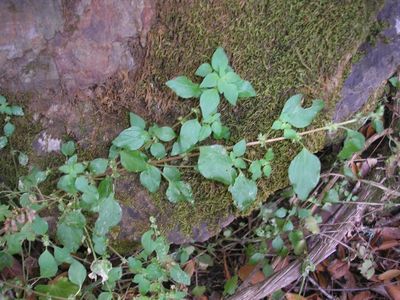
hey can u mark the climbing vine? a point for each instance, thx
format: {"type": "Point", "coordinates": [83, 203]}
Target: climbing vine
{"type": "Point", "coordinates": [85, 193]}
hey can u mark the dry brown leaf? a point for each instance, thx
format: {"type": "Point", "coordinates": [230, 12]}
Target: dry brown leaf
{"type": "Point", "coordinates": [201, 298]}
{"type": "Point", "coordinates": [393, 291]}
{"type": "Point", "coordinates": [190, 267]}
{"type": "Point", "coordinates": [338, 268]}
{"type": "Point", "coordinates": [314, 297]}
{"type": "Point", "coordinates": [365, 295]}
{"type": "Point", "coordinates": [390, 274]}
{"type": "Point", "coordinates": [387, 245]}
{"type": "Point", "coordinates": [322, 279]}
{"type": "Point", "coordinates": [291, 296]}
{"type": "Point", "coordinates": [390, 233]}
{"type": "Point", "coordinates": [245, 271]}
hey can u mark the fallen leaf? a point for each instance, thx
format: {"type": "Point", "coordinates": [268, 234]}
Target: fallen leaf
{"type": "Point", "coordinates": [338, 268]}
{"type": "Point", "coordinates": [387, 245]}
{"type": "Point", "coordinates": [322, 279]}
{"type": "Point", "coordinates": [245, 271]}
{"type": "Point", "coordinates": [291, 296]}
{"type": "Point", "coordinates": [190, 267]}
{"type": "Point", "coordinates": [390, 274]}
{"type": "Point", "coordinates": [201, 298]}
{"type": "Point", "coordinates": [393, 291]}
{"type": "Point", "coordinates": [314, 297]}
{"type": "Point", "coordinates": [389, 233]}
{"type": "Point", "coordinates": [366, 295]}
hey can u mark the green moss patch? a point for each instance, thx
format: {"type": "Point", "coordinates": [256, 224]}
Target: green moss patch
{"type": "Point", "coordinates": [281, 47]}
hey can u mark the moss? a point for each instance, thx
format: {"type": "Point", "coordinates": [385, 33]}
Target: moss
{"type": "Point", "coordinates": [282, 47]}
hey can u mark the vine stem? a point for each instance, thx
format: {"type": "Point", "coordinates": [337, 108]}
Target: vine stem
{"type": "Point", "coordinates": [255, 143]}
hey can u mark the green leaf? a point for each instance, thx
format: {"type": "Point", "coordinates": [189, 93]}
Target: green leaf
{"type": "Point", "coordinates": [198, 291]}
{"type": "Point", "coordinates": [144, 284]}
{"type": "Point", "coordinates": [210, 81]}
{"type": "Point", "coordinates": [179, 191]}
{"type": "Point", "coordinates": [255, 169]}
{"type": "Point", "coordinates": [231, 285]}
{"type": "Point", "coordinates": [165, 134]}
{"type": "Point", "coordinates": [311, 224]}
{"type": "Point", "coordinates": [98, 166]}
{"type": "Point", "coordinates": [151, 178]}
{"type": "Point", "coordinates": [70, 230]}
{"type": "Point", "coordinates": [215, 164]}
{"type": "Point", "coordinates": [353, 143]}
{"type": "Point", "coordinates": [158, 150]}
{"type": "Point", "coordinates": [304, 173]}
{"type": "Point", "coordinates": [203, 70]}
{"type": "Point", "coordinates": [6, 260]}
{"type": "Point", "coordinates": [68, 148]}
{"type": "Point", "coordinates": [188, 136]}
{"type": "Point", "coordinates": [229, 90]}
{"type": "Point", "coordinates": [178, 275]}
{"type": "Point", "coordinates": [3, 100]}
{"type": "Point", "coordinates": [244, 192]}
{"type": "Point", "coordinates": [17, 110]}
{"type": "Point", "coordinates": [297, 240]}
{"type": "Point", "coordinates": [77, 273]}
{"type": "Point", "coordinates": [105, 296]}
{"type": "Point", "coordinates": [39, 226]}
{"type": "Point", "coordinates": [232, 77]}
{"type": "Point", "coordinates": [277, 243]}
{"type": "Point", "coordinates": [240, 148]}
{"type": "Point", "coordinates": [3, 142]}
{"type": "Point", "coordinates": [148, 243]}
{"type": "Point", "coordinates": [135, 265]}
{"type": "Point", "coordinates": [281, 212]}
{"type": "Point", "coordinates": [62, 255]}
{"type": "Point", "coordinates": [48, 265]}
{"type": "Point", "coordinates": [297, 116]}
{"type": "Point", "coordinates": [377, 124]}
{"type": "Point", "coordinates": [209, 101]}
{"type": "Point", "coordinates": [131, 138]}
{"type": "Point", "coordinates": [219, 60]}
{"type": "Point", "coordinates": [256, 258]}
{"type": "Point", "coordinates": [395, 82]}
{"type": "Point", "coordinates": [23, 159]}
{"type": "Point", "coordinates": [133, 161]}
{"type": "Point", "coordinates": [269, 155]}
{"type": "Point", "coordinates": [290, 134]}
{"type": "Point", "coordinates": [184, 87]}
{"type": "Point", "coordinates": [8, 129]}
{"type": "Point", "coordinates": [367, 268]}
{"type": "Point", "coordinates": [136, 121]}
{"type": "Point", "coordinates": [4, 212]}
{"type": "Point", "coordinates": [245, 90]}
{"type": "Point", "coordinates": [239, 163]}
{"type": "Point", "coordinates": [110, 214]}
{"type": "Point", "coordinates": [62, 288]}
{"type": "Point", "coordinates": [172, 173]}
{"type": "Point", "coordinates": [267, 269]}
{"type": "Point", "coordinates": [100, 244]}
{"type": "Point", "coordinates": [205, 132]}
{"type": "Point", "coordinates": [267, 170]}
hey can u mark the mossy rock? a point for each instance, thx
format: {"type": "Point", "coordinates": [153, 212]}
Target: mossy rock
{"type": "Point", "coordinates": [282, 48]}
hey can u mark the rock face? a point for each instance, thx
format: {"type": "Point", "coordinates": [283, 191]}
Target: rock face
{"type": "Point", "coordinates": [68, 44]}
{"type": "Point", "coordinates": [57, 49]}
{"type": "Point", "coordinates": [377, 65]}
{"type": "Point", "coordinates": [63, 52]}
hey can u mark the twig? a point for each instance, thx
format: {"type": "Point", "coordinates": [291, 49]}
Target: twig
{"type": "Point", "coordinates": [326, 294]}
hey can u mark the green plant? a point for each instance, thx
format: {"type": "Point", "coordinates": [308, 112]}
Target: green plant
{"type": "Point", "coordinates": [84, 196]}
